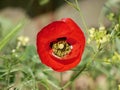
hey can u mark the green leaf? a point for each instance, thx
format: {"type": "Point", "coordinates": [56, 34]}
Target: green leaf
{"type": "Point", "coordinates": [10, 35]}
{"type": "Point", "coordinates": [118, 44]}
{"type": "Point", "coordinates": [30, 54]}
{"type": "Point", "coordinates": [70, 3]}
{"type": "Point", "coordinates": [43, 2]}
{"type": "Point", "coordinates": [5, 24]}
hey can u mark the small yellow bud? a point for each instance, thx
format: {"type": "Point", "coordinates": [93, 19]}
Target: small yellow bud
{"type": "Point", "coordinates": [13, 51]}
{"type": "Point", "coordinates": [116, 26]}
{"type": "Point", "coordinates": [88, 41]}
{"type": "Point", "coordinates": [119, 87]}
{"type": "Point", "coordinates": [102, 28]}
{"type": "Point", "coordinates": [92, 30]}
{"type": "Point", "coordinates": [107, 61]}
{"type": "Point", "coordinates": [23, 40]}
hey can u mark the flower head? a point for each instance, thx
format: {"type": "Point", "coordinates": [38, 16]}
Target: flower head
{"type": "Point", "coordinates": [60, 44]}
{"type": "Point", "coordinates": [99, 36]}
{"type": "Point", "coordinates": [23, 40]}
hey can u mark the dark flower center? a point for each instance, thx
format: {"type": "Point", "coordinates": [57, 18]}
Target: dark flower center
{"type": "Point", "coordinates": [61, 47]}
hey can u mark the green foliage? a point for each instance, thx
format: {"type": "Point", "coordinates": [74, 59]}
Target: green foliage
{"type": "Point", "coordinates": [21, 69]}
{"type": "Point", "coordinates": [43, 2]}
{"type": "Point", "coordinates": [10, 35]}
{"type": "Point", "coordinates": [5, 24]}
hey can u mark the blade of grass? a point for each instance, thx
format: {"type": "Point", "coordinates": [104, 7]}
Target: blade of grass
{"type": "Point", "coordinates": [10, 35]}
{"type": "Point", "coordinates": [53, 84]}
{"type": "Point", "coordinates": [71, 4]}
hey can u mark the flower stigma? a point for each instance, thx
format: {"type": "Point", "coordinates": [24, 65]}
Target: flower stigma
{"type": "Point", "coordinates": [61, 48]}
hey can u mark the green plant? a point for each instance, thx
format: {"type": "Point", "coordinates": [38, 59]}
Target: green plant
{"type": "Point", "coordinates": [21, 69]}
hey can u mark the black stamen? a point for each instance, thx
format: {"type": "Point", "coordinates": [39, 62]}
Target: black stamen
{"type": "Point", "coordinates": [51, 44]}
{"type": "Point", "coordinates": [61, 38]}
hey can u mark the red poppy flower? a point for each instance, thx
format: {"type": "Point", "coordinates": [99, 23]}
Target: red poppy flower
{"type": "Point", "coordinates": [60, 45]}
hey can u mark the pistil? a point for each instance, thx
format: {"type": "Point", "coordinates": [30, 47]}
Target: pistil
{"type": "Point", "coordinates": [61, 48]}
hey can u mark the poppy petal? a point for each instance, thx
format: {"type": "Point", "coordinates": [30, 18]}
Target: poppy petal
{"type": "Point", "coordinates": [74, 36]}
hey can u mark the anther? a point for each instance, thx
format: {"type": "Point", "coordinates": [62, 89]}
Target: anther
{"type": "Point", "coordinates": [61, 48]}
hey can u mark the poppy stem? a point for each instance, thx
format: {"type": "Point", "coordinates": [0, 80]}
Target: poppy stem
{"type": "Point", "coordinates": [73, 78]}
{"type": "Point", "coordinates": [61, 80]}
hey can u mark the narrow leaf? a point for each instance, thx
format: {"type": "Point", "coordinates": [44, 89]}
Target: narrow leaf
{"type": "Point", "coordinates": [10, 35]}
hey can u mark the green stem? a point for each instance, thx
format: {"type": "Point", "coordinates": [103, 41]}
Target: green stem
{"type": "Point", "coordinates": [82, 17]}
{"type": "Point", "coordinates": [82, 69]}
{"type": "Point", "coordinates": [61, 80]}
{"type": "Point", "coordinates": [74, 77]}
{"type": "Point", "coordinates": [76, 6]}
{"type": "Point", "coordinates": [8, 73]}
{"type": "Point", "coordinates": [84, 23]}
{"type": "Point", "coordinates": [54, 85]}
